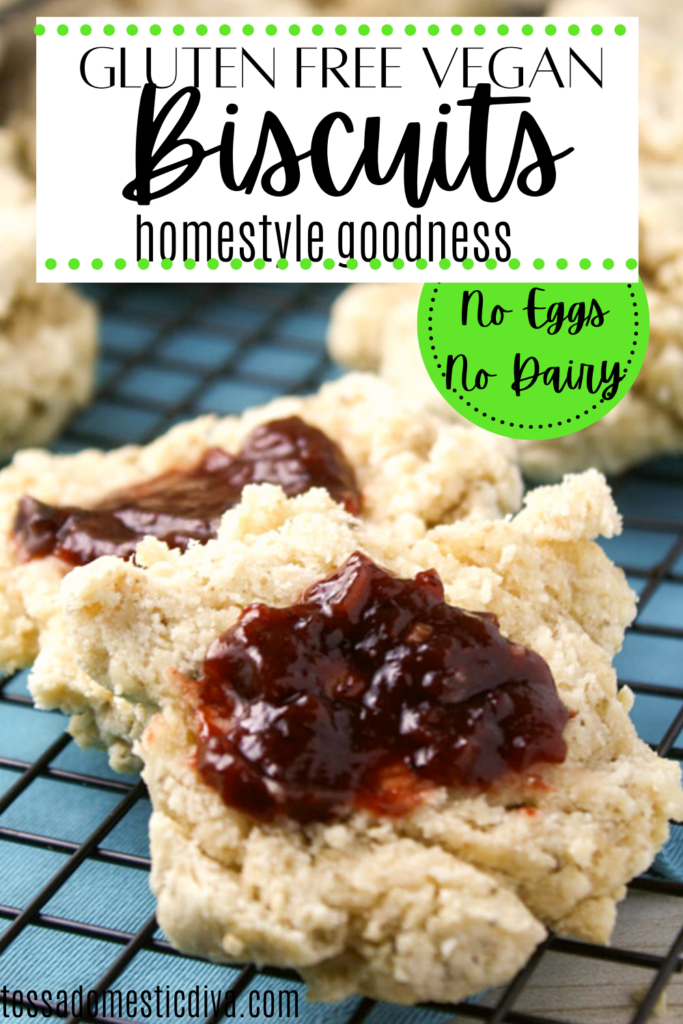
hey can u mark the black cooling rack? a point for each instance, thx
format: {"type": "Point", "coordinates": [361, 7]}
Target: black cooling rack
{"type": "Point", "coordinates": [169, 354]}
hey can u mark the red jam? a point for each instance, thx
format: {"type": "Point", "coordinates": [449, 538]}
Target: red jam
{"type": "Point", "coordinates": [367, 693]}
{"type": "Point", "coordinates": [185, 505]}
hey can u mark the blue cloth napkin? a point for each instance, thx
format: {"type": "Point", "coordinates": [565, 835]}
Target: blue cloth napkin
{"type": "Point", "coordinates": [652, 715]}
{"type": "Point", "coordinates": [669, 862]}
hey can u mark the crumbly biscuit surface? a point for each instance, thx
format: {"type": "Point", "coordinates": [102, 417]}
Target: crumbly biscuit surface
{"type": "Point", "coordinates": [454, 895]}
{"type": "Point", "coordinates": [412, 468]}
{"type": "Point", "coordinates": [47, 332]}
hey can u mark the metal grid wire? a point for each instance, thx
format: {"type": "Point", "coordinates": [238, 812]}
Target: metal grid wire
{"type": "Point", "coordinates": [77, 831]}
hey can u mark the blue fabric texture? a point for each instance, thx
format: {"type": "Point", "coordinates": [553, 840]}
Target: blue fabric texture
{"type": "Point", "coordinates": [669, 862]}
{"type": "Point", "coordinates": [650, 657]}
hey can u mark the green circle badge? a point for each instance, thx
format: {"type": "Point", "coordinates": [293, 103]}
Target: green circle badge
{"type": "Point", "coordinates": [533, 360]}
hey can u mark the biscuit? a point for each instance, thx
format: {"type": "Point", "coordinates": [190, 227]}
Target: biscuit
{"type": "Point", "coordinates": [661, 254]}
{"type": "Point", "coordinates": [660, 32]}
{"type": "Point", "coordinates": [661, 187]}
{"type": "Point", "coordinates": [435, 9]}
{"type": "Point", "coordinates": [375, 326]}
{"type": "Point", "coordinates": [47, 332]}
{"type": "Point", "coordinates": [454, 895]}
{"type": "Point", "coordinates": [413, 469]}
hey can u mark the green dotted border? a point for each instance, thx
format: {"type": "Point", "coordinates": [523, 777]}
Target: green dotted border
{"type": "Point", "coordinates": [329, 264]}
{"type": "Point", "coordinates": [340, 29]}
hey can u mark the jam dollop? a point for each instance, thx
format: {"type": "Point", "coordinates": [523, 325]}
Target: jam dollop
{"type": "Point", "coordinates": [184, 505]}
{"type": "Point", "coordinates": [367, 693]}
